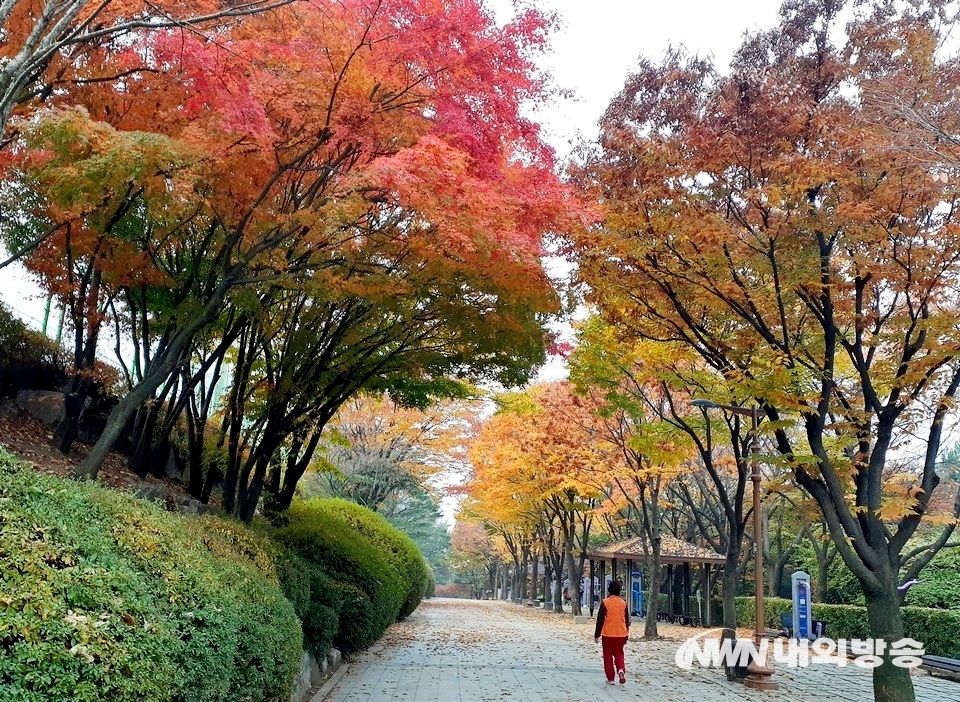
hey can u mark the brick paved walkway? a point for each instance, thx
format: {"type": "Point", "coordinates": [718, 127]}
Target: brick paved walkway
{"type": "Point", "coordinates": [468, 651]}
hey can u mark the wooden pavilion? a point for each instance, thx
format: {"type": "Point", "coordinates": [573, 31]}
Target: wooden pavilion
{"type": "Point", "coordinates": [677, 557]}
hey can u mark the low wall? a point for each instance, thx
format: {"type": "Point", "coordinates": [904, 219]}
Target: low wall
{"type": "Point", "coordinates": [313, 672]}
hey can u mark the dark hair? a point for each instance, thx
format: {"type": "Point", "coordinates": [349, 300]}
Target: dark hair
{"type": "Point", "coordinates": [614, 587]}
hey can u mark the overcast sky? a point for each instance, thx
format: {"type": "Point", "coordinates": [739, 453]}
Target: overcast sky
{"type": "Point", "coordinates": [600, 41]}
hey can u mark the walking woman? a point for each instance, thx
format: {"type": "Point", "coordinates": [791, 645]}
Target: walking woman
{"type": "Point", "coordinates": [613, 627]}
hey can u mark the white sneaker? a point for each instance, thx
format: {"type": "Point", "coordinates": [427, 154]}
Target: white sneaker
{"type": "Point", "coordinates": [611, 682]}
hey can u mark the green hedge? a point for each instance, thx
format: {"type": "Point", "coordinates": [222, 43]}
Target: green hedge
{"type": "Point", "coordinates": [363, 569]}
{"type": "Point", "coordinates": [399, 549]}
{"type": "Point", "coordinates": [315, 599]}
{"type": "Point", "coordinates": [773, 607]}
{"type": "Point", "coordinates": [936, 628]}
{"type": "Point", "coordinates": [104, 596]}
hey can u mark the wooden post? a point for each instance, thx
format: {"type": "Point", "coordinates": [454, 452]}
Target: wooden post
{"type": "Point", "coordinates": [669, 588]}
{"type": "Point", "coordinates": [533, 580]}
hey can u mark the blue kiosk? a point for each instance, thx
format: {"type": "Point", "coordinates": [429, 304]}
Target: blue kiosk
{"type": "Point", "coordinates": [802, 621]}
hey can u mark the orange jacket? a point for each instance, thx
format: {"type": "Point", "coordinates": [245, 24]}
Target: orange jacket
{"type": "Point", "coordinates": [613, 619]}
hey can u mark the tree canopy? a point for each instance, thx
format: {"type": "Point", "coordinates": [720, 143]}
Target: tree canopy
{"type": "Point", "coordinates": [762, 218]}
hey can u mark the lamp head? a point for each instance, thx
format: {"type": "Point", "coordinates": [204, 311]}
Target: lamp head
{"type": "Point", "coordinates": [704, 404]}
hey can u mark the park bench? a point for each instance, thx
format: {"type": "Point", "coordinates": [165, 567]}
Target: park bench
{"type": "Point", "coordinates": [819, 627]}
{"type": "Point", "coordinates": [786, 622]}
{"type": "Point", "coordinates": [942, 667]}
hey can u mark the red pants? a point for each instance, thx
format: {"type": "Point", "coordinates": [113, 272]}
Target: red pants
{"type": "Point", "coordinates": [613, 654]}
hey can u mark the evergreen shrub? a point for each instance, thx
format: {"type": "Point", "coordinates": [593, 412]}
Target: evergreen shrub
{"type": "Point", "coordinates": [362, 568]}
{"type": "Point", "coordinates": [107, 597]}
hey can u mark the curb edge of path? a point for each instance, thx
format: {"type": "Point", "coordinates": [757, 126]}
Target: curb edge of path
{"type": "Point", "coordinates": [328, 686]}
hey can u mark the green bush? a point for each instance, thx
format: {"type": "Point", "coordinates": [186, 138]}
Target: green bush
{"type": "Point", "coordinates": [376, 575]}
{"type": "Point", "coordinates": [28, 359]}
{"type": "Point", "coordinates": [314, 597]}
{"type": "Point", "coordinates": [399, 548]}
{"type": "Point", "coordinates": [773, 607]}
{"type": "Point", "coordinates": [939, 585]}
{"type": "Point", "coordinates": [935, 628]}
{"type": "Point", "coordinates": [104, 596]}
{"type": "Point", "coordinates": [357, 628]}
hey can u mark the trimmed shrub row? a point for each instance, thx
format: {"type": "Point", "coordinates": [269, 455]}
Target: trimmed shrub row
{"type": "Point", "coordinates": [103, 596]}
{"type": "Point", "coordinates": [935, 628]}
{"type": "Point", "coordinates": [358, 568]}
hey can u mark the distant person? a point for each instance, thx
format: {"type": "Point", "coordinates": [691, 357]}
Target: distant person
{"type": "Point", "coordinates": [613, 627]}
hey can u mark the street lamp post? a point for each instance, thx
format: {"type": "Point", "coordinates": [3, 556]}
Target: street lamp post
{"type": "Point", "coordinates": [760, 669]}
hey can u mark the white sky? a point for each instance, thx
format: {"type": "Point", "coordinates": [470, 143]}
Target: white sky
{"type": "Point", "coordinates": [600, 41]}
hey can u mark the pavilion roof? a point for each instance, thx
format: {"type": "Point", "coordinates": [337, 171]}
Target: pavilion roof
{"type": "Point", "coordinates": [672, 551]}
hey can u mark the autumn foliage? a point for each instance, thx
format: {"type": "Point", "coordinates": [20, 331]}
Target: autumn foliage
{"type": "Point", "coordinates": [764, 219]}
{"type": "Point", "coordinates": [346, 191]}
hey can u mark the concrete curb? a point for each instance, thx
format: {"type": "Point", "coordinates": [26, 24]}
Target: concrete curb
{"type": "Point", "coordinates": [328, 686]}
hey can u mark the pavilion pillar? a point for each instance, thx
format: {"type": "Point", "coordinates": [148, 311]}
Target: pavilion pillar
{"type": "Point", "coordinates": [705, 593]}
{"type": "Point", "coordinates": [686, 588]}
{"type": "Point", "coordinates": [669, 590]}
{"type": "Point", "coordinates": [592, 587]}
{"type": "Point", "coordinates": [533, 579]}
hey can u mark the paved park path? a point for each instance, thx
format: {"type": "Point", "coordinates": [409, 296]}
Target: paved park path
{"type": "Point", "coordinates": [469, 651]}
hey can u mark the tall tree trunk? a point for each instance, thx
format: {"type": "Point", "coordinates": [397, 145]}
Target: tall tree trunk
{"type": "Point", "coordinates": [890, 683]}
{"type": "Point", "coordinates": [297, 464]}
{"type": "Point", "coordinates": [251, 494]}
{"type": "Point", "coordinates": [556, 568]}
{"type": "Point", "coordinates": [730, 580]}
{"type": "Point", "coordinates": [547, 593]}
{"type": "Point", "coordinates": [164, 363]}
{"type": "Point", "coordinates": [524, 563]}
{"type": "Point", "coordinates": [116, 423]}
{"type": "Point", "coordinates": [212, 479]}
{"type": "Point", "coordinates": [573, 575]}
{"type": "Point", "coordinates": [74, 398]}
{"type": "Point", "coordinates": [823, 569]}
{"type": "Point", "coordinates": [558, 592]}
{"type": "Point", "coordinates": [654, 569]}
